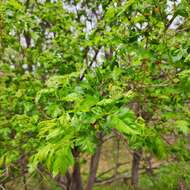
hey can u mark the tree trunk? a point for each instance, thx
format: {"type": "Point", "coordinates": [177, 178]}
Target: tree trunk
{"type": "Point", "coordinates": [135, 168]}
{"type": "Point", "coordinates": [23, 161]}
{"type": "Point", "coordinates": [76, 180]}
{"type": "Point", "coordinates": [93, 168]}
{"type": "Point", "coordinates": [181, 185]}
{"type": "Point", "coordinates": [76, 183]}
{"type": "Point", "coordinates": [68, 180]}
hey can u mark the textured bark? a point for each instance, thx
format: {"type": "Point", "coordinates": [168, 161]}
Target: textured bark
{"type": "Point", "coordinates": [181, 185]}
{"type": "Point", "coordinates": [76, 183]}
{"type": "Point", "coordinates": [135, 168]}
{"type": "Point", "coordinates": [68, 180]}
{"type": "Point", "coordinates": [76, 180]}
{"type": "Point", "coordinates": [93, 168]}
{"type": "Point", "coordinates": [94, 163]}
{"type": "Point", "coordinates": [23, 166]}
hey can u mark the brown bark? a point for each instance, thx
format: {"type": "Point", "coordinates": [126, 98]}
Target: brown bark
{"type": "Point", "coordinates": [68, 182]}
{"type": "Point", "coordinates": [76, 180]}
{"type": "Point", "coordinates": [94, 164]}
{"type": "Point", "coordinates": [149, 169]}
{"type": "Point", "coordinates": [181, 185]}
{"type": "Point", "coordinates": [23, 161]}
{"type": "Point", "coordinates": [93, 168]}
{"type": "Point", "coordinates": [62, 181]}
{"type": "Point", "coordinates": [135, 168]}
{"type": "Point", "coordinates": [76, 183]}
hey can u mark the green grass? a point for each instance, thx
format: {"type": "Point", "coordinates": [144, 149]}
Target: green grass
{"type": "Point", "coordinates": [118, 186]}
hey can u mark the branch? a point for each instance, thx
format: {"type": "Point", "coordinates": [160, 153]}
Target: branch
{"type": "Point", "coordinates": [109, 170]}
{"type": "Point", "coordinates": [112, 179]}
{"type": "Point", "coordinates": [107, 138]}
{"type": "Point", "coordinates": [170, 22]}
{"type": "Point", "coordinates": [126, 176]}
{"type": "Point", "coordinates": [89, 66]}
{"type": "Point", "coordinates": [1, 186]}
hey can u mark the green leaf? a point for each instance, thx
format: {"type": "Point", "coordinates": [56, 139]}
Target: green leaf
{"type": "Point", "coordinates": [86, 104]}
{"type": "Point", "coordinates": [105, 102]}
{"type": "Point", "coordinates": [63, 159]}
{"type": "Point", "coordinates": [72, 97]}
{"type": "Point", "coordinates": [182, 126]}
{"type": "Point", "coordinates": [110, 13]}
{"type": "Point", "coordinates": [118, 124]}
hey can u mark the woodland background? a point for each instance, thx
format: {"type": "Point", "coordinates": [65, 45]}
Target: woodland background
{"type": "Point", "coordinates": [94, 94]}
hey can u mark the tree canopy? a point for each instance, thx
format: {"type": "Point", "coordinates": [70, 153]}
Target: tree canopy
{"type": "Point", "coordinates": [74, 72]}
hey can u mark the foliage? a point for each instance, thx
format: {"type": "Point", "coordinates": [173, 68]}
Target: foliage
{"type": "Point", "coordinates": [69, 71]}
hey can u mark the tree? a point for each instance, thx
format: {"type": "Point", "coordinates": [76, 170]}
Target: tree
{"type": "Point", "coordinates": [74, 72]}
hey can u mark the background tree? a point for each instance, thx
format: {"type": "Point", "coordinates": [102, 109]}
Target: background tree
{"type": "Point", "coordinates": [73, 73]}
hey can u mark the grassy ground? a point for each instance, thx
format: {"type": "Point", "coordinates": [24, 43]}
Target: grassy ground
{"type": "Point", "coordinates": [166, 178]}
{"type": "Point", "coordinates": [145, 184]}
{"type": "Point", "coordinates": [113, 187]}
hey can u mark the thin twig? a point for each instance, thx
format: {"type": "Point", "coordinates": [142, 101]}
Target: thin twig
{"type": "Point", "coordinates": [125, 175]}
{"type": "Point", "coordinates": [1, 187]}
{"type": "Point", "coordinates": [89, 66]}
{"type": "Point", "coordinates": [109, 170]}
{"type": "Point", "coordinates": [170, 22]}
